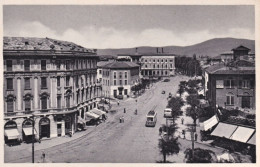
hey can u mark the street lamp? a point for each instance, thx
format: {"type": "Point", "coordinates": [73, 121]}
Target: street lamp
{"type": "Point", "coordinates": [33, 137]}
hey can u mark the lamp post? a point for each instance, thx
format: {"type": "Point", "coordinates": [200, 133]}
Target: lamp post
{"type": "Point", "coordinates": [33, 137]}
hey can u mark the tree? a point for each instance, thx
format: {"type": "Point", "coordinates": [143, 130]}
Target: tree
{"type": "Point", "coordinates": [168, 146]}
{"type": "Point", "coordinates": [200, 156]}
{"type": "Point", "coordinates": [194, 112]}
{"type": "Point", "coordinates": [175, 103]}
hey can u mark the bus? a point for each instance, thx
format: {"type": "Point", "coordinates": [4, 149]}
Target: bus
{"type": "Point", "coordinates": [151, 118]}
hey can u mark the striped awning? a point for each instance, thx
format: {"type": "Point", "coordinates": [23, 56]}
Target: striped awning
{"type": "Point", "coordinates": [11, 134]}
{"type": "Point", "coordinates": [208, 124]}
{"type": "Point", "coordinates": [28, 131]}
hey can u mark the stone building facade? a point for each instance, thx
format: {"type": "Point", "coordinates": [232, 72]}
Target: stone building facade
{"type": "Point", "coordinates": [50, 81]}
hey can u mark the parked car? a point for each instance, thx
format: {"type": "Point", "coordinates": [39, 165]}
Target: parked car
{"type": "Point", "coordinates": [163, 92]}
{"type": "Point", "coordinates": [166, 80]}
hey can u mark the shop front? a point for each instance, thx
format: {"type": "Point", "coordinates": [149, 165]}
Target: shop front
{"type": "Point", "coordinates": [11, 133]}
{"type": "Point", "coordinates": [28, 132]}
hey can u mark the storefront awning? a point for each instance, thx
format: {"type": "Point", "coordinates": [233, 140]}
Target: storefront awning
{"type": "Point", "coordinates": [206, 125]}
{"type": "Point", "coordinates": [97, 111]}
{"type": "Point", "coordinates": [252, 140]}
{"type": "Point", "coordinates": [12, 134]}
{"type": "Point", "coordinates": [28, 131]}
{"type": "Point", "coordinates": [92, 115]}
{"type": "Point", "coordinates": [242, 134]}
{"type": "Point", "coordinates": [224, 130]}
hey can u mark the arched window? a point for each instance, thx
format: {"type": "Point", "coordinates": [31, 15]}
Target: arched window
{"type": "Point", "coordinates": [10, 103]}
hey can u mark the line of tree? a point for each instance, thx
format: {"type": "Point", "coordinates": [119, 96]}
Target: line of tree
{"type": "Point", "coordinates": [188, 65]}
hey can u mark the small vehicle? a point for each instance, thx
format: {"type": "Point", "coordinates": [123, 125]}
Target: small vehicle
{"type": "Point", "coordinates": [167, 113]}
{"type": "Point", "coordinates": [170, 95]}
{"type": "Point", "coordinates": [151, 118]}
{"type": "Point", "coordinates": [166, 80]}
{"type": "Point", "coordinates": [163, 92]}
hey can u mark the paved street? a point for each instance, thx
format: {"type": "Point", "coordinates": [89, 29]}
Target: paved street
{"type": "Point", "coordinates": [112, 141]}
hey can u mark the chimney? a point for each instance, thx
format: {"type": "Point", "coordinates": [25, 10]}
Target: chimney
{"type": "Point", "coordinates": [162, 50]}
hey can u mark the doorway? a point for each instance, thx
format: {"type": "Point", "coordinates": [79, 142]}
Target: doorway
{"type": "Point", "coordinates": [44, 128]}
{"type": "Point", "coordinates": [59, 130]}
{"type": "Point", "coordinates": [245, 101]}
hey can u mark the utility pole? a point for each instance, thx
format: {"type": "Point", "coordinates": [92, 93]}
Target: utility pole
{"type": "Point", "coordinates": [33, 124]}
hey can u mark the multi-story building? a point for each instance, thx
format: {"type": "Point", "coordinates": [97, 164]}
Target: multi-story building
{"type": "Point", "coordinates": [51, 81]}
{"type": "Point", "coordinates": [118, 77]}
{"type": "Point", "coordinates": [231, 86]}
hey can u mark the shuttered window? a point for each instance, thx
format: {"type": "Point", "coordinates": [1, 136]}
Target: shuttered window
{"type": "Point", "coordinates": [59, 102]}
{"type": "Point", "coordinates": [44, 103]}
{"type": "Point", "coordinates": [10, 106]}
{"type": "Point", "coordinates": [43, 82]}
{"type": "Point", "coordinates": [26, 65]}
{"type": "Point", "coordinates": [27, 83]}
{"type": "Point", "coordinates": [43, 64]}
{"type": "Point", "coordinates": [9, 65]}
{"type": "Point", "coordinates": [27, 103]}
{"type": "Point", "coordinates": [9, 83]}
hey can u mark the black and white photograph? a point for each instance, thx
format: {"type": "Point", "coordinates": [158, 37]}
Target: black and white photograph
{"type": "Point", "coordinates": [129, 83]}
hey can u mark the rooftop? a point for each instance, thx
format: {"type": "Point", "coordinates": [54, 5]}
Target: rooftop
{"type": "Point", "coordinates": [31, 43]}
{"type": "Point", "coordinates": [118, 64]}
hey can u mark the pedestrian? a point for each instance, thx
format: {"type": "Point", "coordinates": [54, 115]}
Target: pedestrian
{"type": "Point", "coordinates": [124, 110]}
{"type": "Point", "coordinates": [196, 136]}
{"type": "Point", "coordinates": [160, 130]}
{"type": "Point", "coordinates": [123, 119]}
{"type": "Point", "coordinates": [183, 132]}
{"type": "Point", "coordinates": [118, 102]}
{"type": "Point", "coordinates": [182, 120]}
{"type": "Point", "coordinates": [43, 157]}
{"type": "Point", "coordinates": [120, 120]}
{"type": "Point", "coordinates": [135, 111]}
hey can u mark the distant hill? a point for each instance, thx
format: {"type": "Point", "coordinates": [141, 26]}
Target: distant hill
{"type": "Point", "coordinates": [211, 48]}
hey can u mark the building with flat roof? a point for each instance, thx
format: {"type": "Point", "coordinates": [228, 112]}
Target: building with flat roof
{"type": "Point", "coordinates": [118, 77]}
{"type": "Point", "coordinates": [51, 80]}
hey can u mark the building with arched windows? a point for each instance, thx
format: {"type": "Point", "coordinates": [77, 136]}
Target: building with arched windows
{"type": "Point", "coordinates": [53, 81]}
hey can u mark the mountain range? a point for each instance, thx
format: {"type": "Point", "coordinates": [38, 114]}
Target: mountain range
{"type": "Point", "coordinates": [211, 48]}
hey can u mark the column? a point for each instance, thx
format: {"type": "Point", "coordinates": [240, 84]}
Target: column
{"type": "Point", "coordinates": [36, 94]}
{"type": "Point", "coordinates": [19, 95]}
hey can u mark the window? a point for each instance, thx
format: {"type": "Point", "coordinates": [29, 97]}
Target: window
{"type": "Point", "coordinates": [58, 64]}
{"type": "Point", "coordinates": [27, 83]}
{"type": "Point", "coordinates": [158, 60]}
{"type": "Point", "coordinates": [43, 64]}
{"type": "Point", "coordinates": [114, 75]}
{"type": "Point", "coordinates": [82, 82]}
{"type": "Point", "coordinates": [125, 91]}
{"type": "Point", "coordinates": [125, 74]}
{"type": "Point", "coordinates": [67, 80]}
{"type": "Point", "coordinates": [100, 71]}
{"type": "Point", "coordinates": [10, 106]}
{"type": "Point", "coordinates": [44, 102]}
{"type": "Point", "coordinates": [230, 99]}
{"type": "Point", "coordinates": [154, 66]}
{"type": "Point", "coordinates": [145, 61]}
{"type": "Point", "coordinates": [145, 66]}
{"type": "Point", "coordinates": [154, 60]}
{"type": "Point", "coordinates": [219, 84]}
{"type": "Point", "coordinates": [77, 81]}
{"type": "Point", "coordinates": [59, 102]}
{"type": "Point", "coordinates": [125, 82]}
{"type": "Point", "coordinates": [166, 60]}
{"type": "Point", "coordinates": [114, 82]}
{"type": "Point", "coordinates": [171, 65]}
{"type": "Point", "coordinates": [170, 60]}
{"type": "Point", "coordinates": [43, 82]}
{"type": "Point", "coordinates": [120, 82]}
{"type": "Point", "coordinates": [229, 83]}
{"type": "Point", "coordinates": [162, 60]}
{"type": "Point", "coordinates": [245, 84]}
{"type": "Point", "coordinates": [27, 103]}
{"type": "Point", "coordinates": [9, 83]}
{"type": "Point", "coordinates": [68, 101]}
{"type": "Point", "coordinates": [77, 65]}
{"type": "Point", "coordinates": [58, 81]}
{"type": "Point", "coordinates": [9, 65]}
{"type": "Point", "coordinates": [67, 64]}
{"type": "Point", "coordinates": [26, 65]}
{"type": "Point", "coordinates": [158, 66]}
{"type": "Point", "coordinates": [120, 74]}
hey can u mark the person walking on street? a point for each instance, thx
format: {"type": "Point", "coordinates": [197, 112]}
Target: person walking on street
{"type": "Point", "coordinates": [183, 132]}
{"type": "Point", "coordinates": [123, 119]}
{"type": "Point", "coordinates": [43, 157]}
{"type": "Point", "coordinates": [118, 102]}
{"type": "Point", "coordinates": [182, 121]}
{"type": "Point", "coordinates": [196, 136]}
{"type": "Point", "coordinates": [124, 110]}
{"type": "Point", "coordinates": [120, 120]}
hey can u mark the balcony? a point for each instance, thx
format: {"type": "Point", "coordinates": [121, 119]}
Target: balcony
{"type": "Point", "coordinates": [40, 112]}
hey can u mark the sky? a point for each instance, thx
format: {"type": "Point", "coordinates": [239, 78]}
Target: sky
{"type": "Point", "coordinates": [108, 26]}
